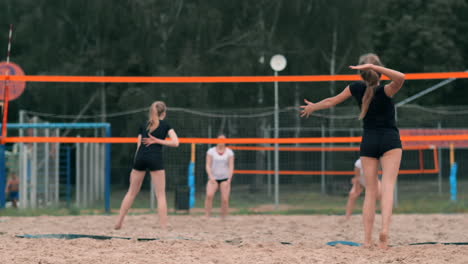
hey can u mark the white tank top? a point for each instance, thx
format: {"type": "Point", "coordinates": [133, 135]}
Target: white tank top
{"type": "Point", "coordinates": [220, 163]}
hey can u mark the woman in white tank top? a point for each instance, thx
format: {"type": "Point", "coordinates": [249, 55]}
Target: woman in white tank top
{"type": "Point", "coordinates": [220, 168]}
{"type": "Point", "coordinates": [359, 184]}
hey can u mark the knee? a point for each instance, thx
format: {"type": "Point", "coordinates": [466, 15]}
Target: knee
{"type": "Point", "coordinates": [372, 192]}
{"type": "Point", "coordinates": [132, 193]}
{"type": "Point", "coordinates": [225, 200]}
{"type": "Point", "coordinates": [161, 195]}
{"type": "Point", "coordinates": [209, 197]}
{"type": "Point", "coordinates": [353, 195]}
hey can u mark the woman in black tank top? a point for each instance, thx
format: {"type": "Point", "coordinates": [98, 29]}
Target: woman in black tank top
{"type": "Point", "coordinates": [380, 140]}
{"type": "Point", "coordinates": [149, 157]}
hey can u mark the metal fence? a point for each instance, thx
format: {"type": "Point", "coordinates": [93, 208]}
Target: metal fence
{"type": "Point", "coordinates": [257, 190]}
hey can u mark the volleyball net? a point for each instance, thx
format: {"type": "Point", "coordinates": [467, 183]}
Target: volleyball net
{"type": "Point", "coordinates": [316, 155]}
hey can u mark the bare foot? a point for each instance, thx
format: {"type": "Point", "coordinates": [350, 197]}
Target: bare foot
{"type": "Point", "coordinates": [368, 245]}
{"type": "Point", "coordinates": [118, 226]}
{"type": "Point", "coordinates": [383, 241]}
{"type": "Point", "coordinates": [343, 220]}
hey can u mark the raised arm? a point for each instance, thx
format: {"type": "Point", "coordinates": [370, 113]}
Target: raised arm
{"type": "Point", "coordinates": [173, 139]}
{"type": "Point", "coordinates": [310, 107]}
{"type": "Point", "coordinates": [397, 78]}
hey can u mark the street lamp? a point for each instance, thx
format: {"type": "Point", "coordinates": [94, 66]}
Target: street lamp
{"type": "Point", "coordinates": [277, 63]}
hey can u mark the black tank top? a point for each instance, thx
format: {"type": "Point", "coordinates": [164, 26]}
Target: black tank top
{"type": "Point", "coordinates": [160, 132]}
{"type": "Point", "coordinates": [381, 113]}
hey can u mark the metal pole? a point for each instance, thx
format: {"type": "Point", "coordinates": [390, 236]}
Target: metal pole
{"type": "Point", "coordinates": [439, 153]}
{"type": "Point", "coordinates": [108, 171]}
{"type": "Point", "coordinates": [96, 171]}
{"type": "Point", "coordinates": [322, 163]}
{"type": "Point", "coordinates": [85, 174]}
{"type": "Point", "coordinates": [266, 134]}
{"type": "Point", "coordinates": [68, 176]}
{"type": "Point", "coordinates": [78, 175]}
{"type": "Point", "coordinates": [34, 174]}
{"type": "Point", "coordinates": [57, 167]}
{"type": "Point", "coordinates": [46, 161]}
{"type": "Point", "coordinates": [92, 160]}
{"type": "Point", "coordinates": [103, 170]}
{"type": "Point", "coordinates": [23, 166]}
{"type": "Point", "coordinates": [276, 145]}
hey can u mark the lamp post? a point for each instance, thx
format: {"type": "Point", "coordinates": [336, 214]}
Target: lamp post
{"type": "Point", "coordinates": [277, 63]}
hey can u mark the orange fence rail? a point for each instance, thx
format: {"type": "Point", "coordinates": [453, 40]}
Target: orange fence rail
{"type": "Point", "coordinates": [421, 170]}
{"type": "Point", "coordinates": [218, 79]}
{"type": "Point", "coordinates": [330, 149]}
{"type": "Point", "coordinates": [344, 173]}
{"type": "Point", "coordinates": [263, 141]}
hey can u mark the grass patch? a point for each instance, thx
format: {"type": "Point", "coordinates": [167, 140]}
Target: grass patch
{"type": "Point", "coordinates": [420, 198]}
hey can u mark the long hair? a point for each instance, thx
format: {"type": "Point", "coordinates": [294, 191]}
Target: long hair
{"type": "Point", "coordinates": [156, 110]}
{"type": "Point", "coordinates": [371, 78]}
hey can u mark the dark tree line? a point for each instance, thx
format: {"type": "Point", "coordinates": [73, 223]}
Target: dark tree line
{"type": "Point", "coordinates": [224, 38]}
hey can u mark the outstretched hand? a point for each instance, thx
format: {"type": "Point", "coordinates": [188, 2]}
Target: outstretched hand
{"type": "Point", "coordinates": [307, 109]}
{"type": "Point", "coordinates": [362, 67]}
{"type": "Point", "coordinates": [150, 140]}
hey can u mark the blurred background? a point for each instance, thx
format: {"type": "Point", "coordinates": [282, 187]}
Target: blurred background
{"type": "Point", "coordinates": [236, 38]}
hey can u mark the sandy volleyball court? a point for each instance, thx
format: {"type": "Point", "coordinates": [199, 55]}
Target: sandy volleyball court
{"type": "Point", "coordinates": [241, 239]}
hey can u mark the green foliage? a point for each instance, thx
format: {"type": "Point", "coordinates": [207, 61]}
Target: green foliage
{"type": "Point", "coordinates": [222, 38]}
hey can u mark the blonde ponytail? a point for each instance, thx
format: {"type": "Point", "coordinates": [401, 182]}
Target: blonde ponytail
{"type": "Point", "coordinates": [156, 110]}
{"type": "Point", "coordinates": [371, 78]}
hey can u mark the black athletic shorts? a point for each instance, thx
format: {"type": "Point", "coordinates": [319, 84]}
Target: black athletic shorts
{"type": "Point", "coordinates": [148, 162]}
{"type": "Point", "coordinates": [220, 181]}
{"type": "Point", "coordinates": [375, 142]}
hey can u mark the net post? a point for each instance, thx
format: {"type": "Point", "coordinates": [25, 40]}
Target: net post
{"type": "Point", "coordinates": [191, 176]}
{"type": "Point", "coordinates": [453, 174]}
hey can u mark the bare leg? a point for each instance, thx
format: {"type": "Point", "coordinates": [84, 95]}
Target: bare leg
{"type": "Point", "coordinates": [379, 190]}
{"type": "Point", "coordinates": [159, 182]}
{"type": "Point", "coordinates": [370, 166]}
{"type": "Point", "coordinates": [225, 187]}
{"type": "Point", "coordinates": [211, 188]}
{"type": "Point", "coordinates": [136, 179]}
{"type": "Point", "coordinates": [353, 196]}
{"type": "Point", "coordinates": [14, 203]}
{"type": "Point", "coordinates": [390, 166]}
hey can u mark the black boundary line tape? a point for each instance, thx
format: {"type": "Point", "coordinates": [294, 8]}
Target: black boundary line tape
{"type": "Point", "coordinates": [354, 244]}
{"type": "Point", "coordinates": [75, 236]}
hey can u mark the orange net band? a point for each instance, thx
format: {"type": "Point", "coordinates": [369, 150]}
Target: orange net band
{"type": "Point", "coordinates": [227, 141]}
{"type": "Point", "coordinates": [218, 79]}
